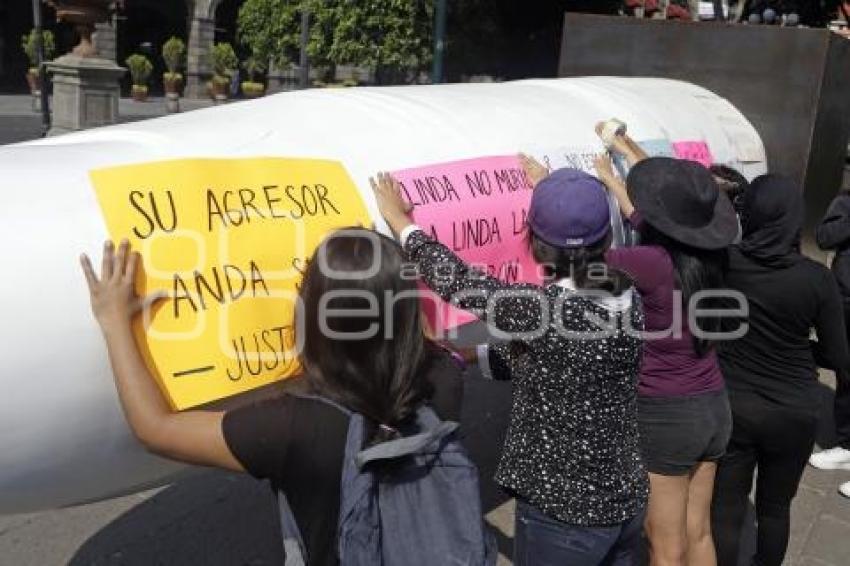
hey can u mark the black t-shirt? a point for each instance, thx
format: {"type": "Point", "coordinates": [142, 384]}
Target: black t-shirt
{"type": "Point", "coordinates": [298, 444]}
{"type": "Point", "coordinates": [775, 358]}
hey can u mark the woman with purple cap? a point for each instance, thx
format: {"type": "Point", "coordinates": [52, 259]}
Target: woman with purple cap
{"type": "Point", "coordinates": [571, 455]}
{"type": "Point", "coordinates": [685, 226]}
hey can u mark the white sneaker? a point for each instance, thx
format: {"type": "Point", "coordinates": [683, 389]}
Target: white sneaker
{"type": "Point", "coordinates": [837, 458]}
{"type": "Point", "coordinates": [844, 489]}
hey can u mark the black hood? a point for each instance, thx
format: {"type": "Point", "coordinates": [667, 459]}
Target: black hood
{"type": "Point", "coordinates": [772, 219]}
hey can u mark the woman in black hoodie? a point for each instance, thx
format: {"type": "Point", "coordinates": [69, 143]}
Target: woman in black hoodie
{"type": "Point", "coordinates": [771, 372]}
{"type": "Point", "coordinates": [833, 234]}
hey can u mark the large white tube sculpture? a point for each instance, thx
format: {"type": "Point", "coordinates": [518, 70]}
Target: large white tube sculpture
{"type": "Point", "coordinates": [226, 203]}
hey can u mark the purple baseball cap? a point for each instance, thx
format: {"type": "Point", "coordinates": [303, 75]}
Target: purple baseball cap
{"type": "Point", "coordinates": [569, 209]}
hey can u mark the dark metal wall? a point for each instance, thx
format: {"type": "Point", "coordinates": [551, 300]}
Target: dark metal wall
{"type": "Point", "coordinates": [793, 84]}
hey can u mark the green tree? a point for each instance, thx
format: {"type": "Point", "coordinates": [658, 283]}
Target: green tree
{"type": "Point", "coordinates": [270, 29]}
{"type": "Point", "coordinates": [392, 36]}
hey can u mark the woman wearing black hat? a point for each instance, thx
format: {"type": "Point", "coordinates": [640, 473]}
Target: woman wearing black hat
{"type": "Point", "coordinates": [771, 370]}
{"type": "Point", "coordinates": [685, 224]}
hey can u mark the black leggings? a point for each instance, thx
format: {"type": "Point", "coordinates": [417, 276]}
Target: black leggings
{"type": "Point", "coordinates": [842, 398]}
{"type": "Point", "coordinates": [842, 408]}
{"type": "Point", "coordinates": [778, 441]}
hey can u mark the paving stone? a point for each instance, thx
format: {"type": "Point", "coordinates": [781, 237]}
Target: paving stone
{"type": "Point", "coordinates": [838, 506]}
{"type": "Point", "coordinates": [829, 541]}
{"type": "Point", "coordinates": [28, 539]}
{"type": "Point", "coordinates": [809, 561]}
{"type": "Point", "coordinates": [824, 481]}
{"type": "Point", "coordinates": [827, 377]}
{"type": "Point", "coordinates": [15, 129]}
{"type": "Point", "coordinates": [805, 510]}
{"type": "Point", "coordinates": [502, 518]}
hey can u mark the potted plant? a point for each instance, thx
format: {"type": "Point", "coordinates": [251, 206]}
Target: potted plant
{"type": "Point", "coordinates": [252, 88]}
{"type": "Point", "coordinates": [173, 54]}
{"type": "Point", "coordinates": [28, 43]}
{"type": "Point", "coordinates": [224, 64]}
{"type": "Point", "coordinates": [84, 15]}
{"type": "Point", "coordinates": [140, 71]}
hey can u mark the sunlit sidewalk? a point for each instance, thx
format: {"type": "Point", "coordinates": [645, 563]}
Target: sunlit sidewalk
{"type": "Point", "coordinates": [19, 121]}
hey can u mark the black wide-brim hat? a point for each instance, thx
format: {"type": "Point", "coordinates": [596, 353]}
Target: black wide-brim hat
{"type": "Point", "coordinates": [682, 200]}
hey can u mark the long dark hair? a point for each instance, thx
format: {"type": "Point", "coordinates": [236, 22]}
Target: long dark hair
{"type": "Point", "coordinates": [695, 270]}
{"type": "Point", "coordinates": [379, 374]}
{"type": "Point", "coordinates": [584, 265]}
{"type": "Point", "coordinates": [733, 183]}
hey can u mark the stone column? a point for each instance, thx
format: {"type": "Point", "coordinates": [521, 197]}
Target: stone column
{"type": "Point", "coordinates": [105, 39]}
{"type": "Point", "coordinates": [282, 79]}
{"type": "Point", "coordinates": [199, 60]}
{"type": "Point", "coordinates": [85, 93]}
{"type": "Point", "coordinates": [274, 79]}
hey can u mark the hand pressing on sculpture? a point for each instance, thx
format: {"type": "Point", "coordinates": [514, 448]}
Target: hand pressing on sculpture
{"type": "Point", "coordinates": [616, 140]}
{"type": "Point", "coordinates": [395, 210]}
{"type": "Point", "coordinates": [534, 170]}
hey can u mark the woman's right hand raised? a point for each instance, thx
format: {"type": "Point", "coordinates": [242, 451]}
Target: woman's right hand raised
{"type": "Point", "coordinates": [534, 170]}
{"type": "Point", "coordinates": [605, 171]}
{"type": "Point", "coordinates": [395, 210]}
{"type": "Point", "coordinates": [604, 168]}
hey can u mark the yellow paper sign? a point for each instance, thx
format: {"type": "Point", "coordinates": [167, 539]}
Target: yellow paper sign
{"type": "Point", "coordinates": [227, 238]}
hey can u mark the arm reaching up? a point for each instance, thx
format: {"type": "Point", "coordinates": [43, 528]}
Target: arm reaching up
{"type": "Point", "coordinates": [511, 308]}
{"type": "Point", "coordinates": [615, 185]}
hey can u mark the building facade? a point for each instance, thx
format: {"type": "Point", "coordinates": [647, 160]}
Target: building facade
{"type": "Point", "coordinates": [141, 26]}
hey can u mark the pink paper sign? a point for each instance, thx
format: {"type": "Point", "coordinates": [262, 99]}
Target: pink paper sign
{"type": "Point", "coordinates": [476, 207]}
{"type": "Point", "coordinates": [694, 151]}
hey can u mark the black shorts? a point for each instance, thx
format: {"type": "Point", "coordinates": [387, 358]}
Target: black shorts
{"type": "Point", "coordinates": [677, 433]}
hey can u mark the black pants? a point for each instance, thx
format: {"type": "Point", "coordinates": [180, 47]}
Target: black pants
{"type": "Point", "coordinates": [842, 398]}
{"type": "Point", "coordinates": [842, 408]}
{"type": "Point", "coordinates": [778, 441]}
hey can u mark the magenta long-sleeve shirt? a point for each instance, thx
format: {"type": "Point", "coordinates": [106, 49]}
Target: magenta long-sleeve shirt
{"type": "Point", "coordinates": [670, 366]}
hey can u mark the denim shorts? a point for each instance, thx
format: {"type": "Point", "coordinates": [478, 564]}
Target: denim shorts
{"type": "Point", "coordinates": [677, 433]}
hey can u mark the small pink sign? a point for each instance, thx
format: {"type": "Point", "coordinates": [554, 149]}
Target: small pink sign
{"type": "Point", "coordinates": [476, 207]}
{"type": "Point", "coordinates": [694, 151]}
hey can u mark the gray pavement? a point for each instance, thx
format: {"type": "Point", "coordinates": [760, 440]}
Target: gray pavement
{"type": "Point", "coordinates": [19, 122]}
{"type": "Point", "coordinates": [221, 519]}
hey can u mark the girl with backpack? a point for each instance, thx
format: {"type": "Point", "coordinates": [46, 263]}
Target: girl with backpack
{"type": "Point", "coordinates": [376, 366]}
{"type": "Point", "coordinates": [571, 454]}
{"type": "Point", "coordinates": [684, 224]}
